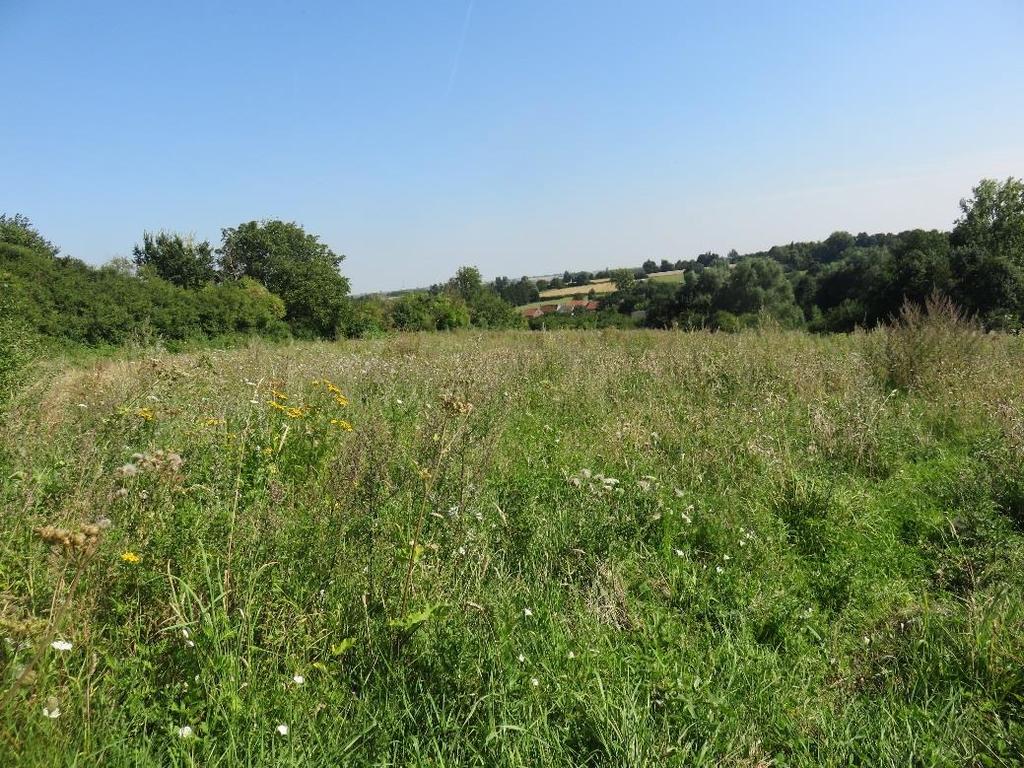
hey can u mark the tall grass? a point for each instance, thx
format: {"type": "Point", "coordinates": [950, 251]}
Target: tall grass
{"type": "Point", "coordinates": [603, 548]}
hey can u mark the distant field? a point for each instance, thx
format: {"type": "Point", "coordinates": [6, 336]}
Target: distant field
{"type": "Point", "coordinates": [519, 549]}
{"type": "Point", "coordinates": [675, 276]}
{"type": "Point", "coordinates": [597, 286]}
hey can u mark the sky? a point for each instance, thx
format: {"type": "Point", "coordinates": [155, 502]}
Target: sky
{"type": "Point", "coordinates": [523, 137]}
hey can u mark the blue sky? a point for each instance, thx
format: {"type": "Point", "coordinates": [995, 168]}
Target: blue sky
{"type": "Point", "coordinates": [523, 137]}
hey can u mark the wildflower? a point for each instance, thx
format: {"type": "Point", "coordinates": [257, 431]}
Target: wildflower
{"type": "Point", "coordinates": [719, 569]}
{"type": "Point", "coordinates": [185, 732]}
{"type": "Point", "coordinates": [678, 552]}
{"type": "Point", "coordinates": [282, 729]}
{"type": "Point", "coordinates": [341, 400]}
{"type": "Point", "coordinates": [188, 641]}
{"type": "Point", "coordinates": [572, 654]}
{"type": "Point", "coordinates": [298, 679]}
{"type": "Point", "coordinates": [522, 659]}
{"type": "Point", "coordinates": [527, 612]}
{"type": "Point", "coordinates": [130, 557]}
{"type": "Point", "coordinates": [52, 709]}
{"type": "Point", "coordinates": [146, 414]}
{"type": "Point", "coordinates": [534, 682]}
{"type": "Point", "coordinates": [278, 394]}
{"type": "Point", "coordinates": [127, 470]}
{"type": "Point", "coordinates": [61, 645]}
{"type": "Point", "coordinates": [342, 425]}
{"type": "Point", "coordinates": [83, 405]}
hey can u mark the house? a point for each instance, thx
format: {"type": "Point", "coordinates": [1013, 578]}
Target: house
{"type": "Point", "coordinates": [572, 306]}
{"type": "Point", "coordinates": [533, 312]}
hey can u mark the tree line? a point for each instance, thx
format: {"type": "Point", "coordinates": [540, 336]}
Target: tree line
{"type": "Point", "coordinates": [266, 278]}
{"type": "Point", "coordinates": [274, 279]}
{"type": "Point", "coordinates": [843, 282]}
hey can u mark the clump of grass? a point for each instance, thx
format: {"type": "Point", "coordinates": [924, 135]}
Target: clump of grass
{"type": "Point", "coordinates": [504, 549]}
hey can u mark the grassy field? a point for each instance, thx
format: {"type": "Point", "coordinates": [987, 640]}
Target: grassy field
{"type": "Point", "coordinates": [674, 276]}
{"type": "Point", "coordinates": [597, 286]}
{"type": "Point", "coordinates": [578, 548]}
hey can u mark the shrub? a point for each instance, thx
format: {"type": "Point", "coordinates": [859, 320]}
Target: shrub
{"type": "Point", "coordinates": [925, 346]}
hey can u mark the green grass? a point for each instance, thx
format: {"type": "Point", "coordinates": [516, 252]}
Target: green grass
{"type": "Point", "coordinates": [813, 553]}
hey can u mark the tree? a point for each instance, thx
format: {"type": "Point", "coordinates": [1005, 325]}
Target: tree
{"type": "Point", "coordinates": [467, 283]}
{"type": "Point", "coordinates": [757, 286]}
{"type": "Point", "coordinates": [297, 267]}
{"type": "Point", "coordinates": [176, 259]}
{"type": "Point", "coordinates": [489, 310]}
{"type": "Point", "coordinates": [624, 279]}
{"type": "Point", "coordinates": [988, 252]}
{"type": "Point", "coordinates": [18, 230]}
{"type": "Point", "coordinates": [993, 219]}
{"type": "Point", "coordinates": [649, 266]}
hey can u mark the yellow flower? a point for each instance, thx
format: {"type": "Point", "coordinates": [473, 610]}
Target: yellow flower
{"type": "Point", "coordinates": [130, 557]}
{"type": "Point", "coordinates": [293, 412]}
{"type": "Point", "coordinates": [342, 424]}
{"type": "Point", "coordinates": [278, 394]}
{"type": "Point", "coordinates": [146, 414]}
{"type": "Point", "coordinates": [341, 400]}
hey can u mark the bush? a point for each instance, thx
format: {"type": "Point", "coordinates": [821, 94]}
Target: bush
{"type": "Point", "coordinates": [927, 345]}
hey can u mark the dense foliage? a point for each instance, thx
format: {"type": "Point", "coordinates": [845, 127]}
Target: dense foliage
{"type": "Point", "coordinates": [272, 278]}
{"type": "Point", "coordinates": [846, 280]}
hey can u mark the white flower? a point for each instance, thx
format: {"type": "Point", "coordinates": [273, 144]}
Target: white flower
{"type": "Point", "coordinates": [726, 558]}
{"type": "Point", "coordinates": [298, 679]}
{"type": "Point", "coordinates": [527, 612]}
{"type": "Point", "coordinates": [61, 645]}
{"type": "Point", "coordinates": [678, 552]}
{"type": "Point", "coordinates": [51, 710]}
{"type": "Point", "coordinates": [185, 732]}
{"type": "Point", "coordinates": [719, 569]}
{"type": "Point", "coordinates": [462, 550]}
{"type": "Point", "coordinates": [522, 659]}
{"type": "Point", "coordinates": [83, 405]}
{"type": "Point", "coordinates": [534, 682]}
{"type": "Point", "coordinates": [572, 654]}
{"type": "Point", "coordinates": [282, 729]}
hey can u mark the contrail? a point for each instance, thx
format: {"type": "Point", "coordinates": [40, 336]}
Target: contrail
{"type": "Point", "coordinates": [462, 44]}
